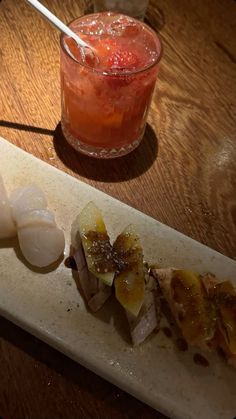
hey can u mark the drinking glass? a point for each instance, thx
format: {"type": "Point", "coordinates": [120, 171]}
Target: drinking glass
{"type": "Point", "coordinates": [105, 104]}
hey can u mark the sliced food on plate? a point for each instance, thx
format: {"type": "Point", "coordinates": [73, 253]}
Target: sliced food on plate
{"type": "Point", "coordinates": [93, 256]}
{"type": "Point", "coordinates": [134, 288]}
{"type": "Point", "coordinates": [202, 308]}
{"type": "Point", "coordinates": [7, 224]}
{"type": "Point", "coordinates": [25, 214]}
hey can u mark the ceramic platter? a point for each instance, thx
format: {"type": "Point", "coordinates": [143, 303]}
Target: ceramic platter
{"type": "Point", "coordinates": [38, 301]}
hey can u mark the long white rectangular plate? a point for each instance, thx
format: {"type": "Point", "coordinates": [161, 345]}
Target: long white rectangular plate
{"type": "Point", "coordinates": [156, 372]}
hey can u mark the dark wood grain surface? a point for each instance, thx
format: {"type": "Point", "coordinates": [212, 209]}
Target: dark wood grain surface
{"type": "Point", "coordinates": [183, 174]}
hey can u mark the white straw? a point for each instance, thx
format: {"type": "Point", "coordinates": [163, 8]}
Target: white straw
{"type": "Point", "coordinates": [57, 22]}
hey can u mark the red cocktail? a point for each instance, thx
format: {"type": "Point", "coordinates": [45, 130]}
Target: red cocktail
{"type": "Point", "coordinates": [105, 99]}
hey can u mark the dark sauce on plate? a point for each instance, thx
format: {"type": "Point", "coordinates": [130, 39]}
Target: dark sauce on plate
{"type": "Point", "coordinates": [200, 360]}
{"type": "Point", "coordinates": [167, 331]}
{"type": "Point", "coordinates": [70, 263]}
{"type": "Point", "coordinates": [181, 344]}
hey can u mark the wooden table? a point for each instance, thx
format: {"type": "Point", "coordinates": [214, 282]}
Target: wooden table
{"type": "Point", "coordinates": [183, 174]}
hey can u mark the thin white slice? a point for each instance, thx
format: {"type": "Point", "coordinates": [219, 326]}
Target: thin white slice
{"type": "Point", "coordinates": [7, 225]}
{"type": "Point", "coordinates": [76, 242]}
{"type": "Point", "coordinates": [89, 221]}
{"type": "Point", "coordinates": [95, 291]}
{"type": "Point", "coordinates": [130, 281]}
{"type": "Point", "coordinates": [148, 318]}
{"type": "Point", "coordinates": [90, 218]}
{"type": "Point", "coordinates": [99, 299]}
{"type": "Point", "coordinates": [27, 198]}
{"type": "Point", "coordinates": [41, 246]}
{"type": "Point", "coordinates": [36, 217]}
